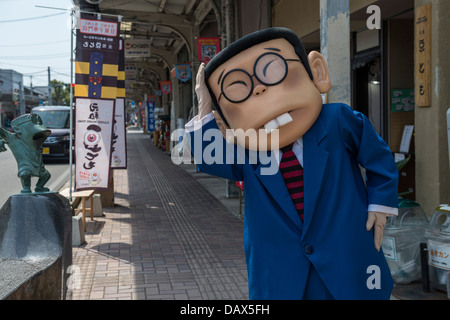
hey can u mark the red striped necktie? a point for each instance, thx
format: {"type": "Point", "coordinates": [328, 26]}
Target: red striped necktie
{"type": "Point", "coordinates": [292, 173]}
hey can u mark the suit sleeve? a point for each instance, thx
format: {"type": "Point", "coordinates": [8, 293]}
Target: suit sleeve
{"type": "Point", "coordinates": [212, 154]}
{"type": "Point", "coordinates": [373, 154]}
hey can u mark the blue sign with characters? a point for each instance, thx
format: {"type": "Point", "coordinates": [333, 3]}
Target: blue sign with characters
{"type": "Point", "coordinates": [151, 114]}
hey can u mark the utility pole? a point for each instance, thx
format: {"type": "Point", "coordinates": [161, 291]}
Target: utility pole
{"type": "Point", "coordinates": [49, 89]}
{"type": "Point", "coordinates": [22, 98]}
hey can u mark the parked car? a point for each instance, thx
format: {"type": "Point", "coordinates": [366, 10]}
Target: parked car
{"type": "Point", "coordinates": [57, 119]}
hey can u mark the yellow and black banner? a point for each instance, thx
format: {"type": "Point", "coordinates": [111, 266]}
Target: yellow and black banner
{"type": "Point", "coordinates": [97, 57]}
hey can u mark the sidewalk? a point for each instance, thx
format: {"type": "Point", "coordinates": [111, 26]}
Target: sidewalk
{"type": "Point", "coordinates": [167, 237]}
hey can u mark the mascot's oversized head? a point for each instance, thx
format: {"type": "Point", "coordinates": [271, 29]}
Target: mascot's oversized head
{"type": "Point", "coordinates": [30, 129]}
{"type": "Point", "coordinates": [264, 82]}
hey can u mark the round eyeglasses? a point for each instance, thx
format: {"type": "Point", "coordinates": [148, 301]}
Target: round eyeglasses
{"type": "Point", "coordinates": [269, 69]}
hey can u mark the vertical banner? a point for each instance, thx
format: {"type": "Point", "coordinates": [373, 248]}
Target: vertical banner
{"type": "Point", "coordinates": [151, 114]}
{"type": "Point", "coordinates": [94, 119]}
{"type": "Point", "coordinates": [142, 110]}
{"type": "Point", "coordinates": [166, 86]}
{"type": "Point", "coordinates": [207, 48]}
{"type": "Point", "coordinates": [96, 72]}
{"type": "Point", "coordinates": [423, 56]}
{"type": "Point", "coordinates": [119, 143]}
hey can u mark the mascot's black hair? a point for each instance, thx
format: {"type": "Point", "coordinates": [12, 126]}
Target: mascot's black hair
{"type": "Point", "coordinates": [247, 42]}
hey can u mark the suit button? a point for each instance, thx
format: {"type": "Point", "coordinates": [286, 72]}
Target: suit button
{"type": "Point", "coordinates": [309, 249]}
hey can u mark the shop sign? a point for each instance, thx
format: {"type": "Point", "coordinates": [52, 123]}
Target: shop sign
{"type": "Point", "coordinates": [423, 56]}
{"type": "Point", "coordinates": [136, 48]}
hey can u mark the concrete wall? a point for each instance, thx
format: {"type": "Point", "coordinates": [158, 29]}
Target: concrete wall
{"type": "Point", "coordinates": [254, 15]}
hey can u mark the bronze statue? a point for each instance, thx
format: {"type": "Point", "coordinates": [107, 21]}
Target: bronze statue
{"type": "Point", "coordinates": [25, 143]}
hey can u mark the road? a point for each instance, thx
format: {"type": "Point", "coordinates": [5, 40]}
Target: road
{"type": "Point", "coordinates": [10, 183]}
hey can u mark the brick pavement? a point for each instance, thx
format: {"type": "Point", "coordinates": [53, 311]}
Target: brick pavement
{"type": "Point", "coordinates": [166, 237]}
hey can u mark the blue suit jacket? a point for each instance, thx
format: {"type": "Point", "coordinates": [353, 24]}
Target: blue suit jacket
{"type": "Point", "coordinates": [280, 248]}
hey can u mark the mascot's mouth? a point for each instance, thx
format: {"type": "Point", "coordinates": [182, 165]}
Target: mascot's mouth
{"type": "Point", "coordinates": [279, 121]}
{"type": "Point", "coordinates": [41, 135]}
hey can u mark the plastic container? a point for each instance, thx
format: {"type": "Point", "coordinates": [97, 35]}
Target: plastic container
{"type": "Point", "coordinates": [438, 243]}
{"type": "Point", "coordinates": [401, 241]}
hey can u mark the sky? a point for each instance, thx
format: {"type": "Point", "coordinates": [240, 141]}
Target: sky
{"type": "Point", "coordinates": [34, 38]}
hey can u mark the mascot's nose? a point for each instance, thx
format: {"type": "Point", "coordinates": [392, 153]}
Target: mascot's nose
{"type": "Point", "coordinates": [259, 90]}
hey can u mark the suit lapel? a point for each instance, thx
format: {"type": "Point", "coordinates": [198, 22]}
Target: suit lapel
{"type": "Point", "coordinates": [315, 159]}
{"type": "Point", "coordinates": [276, 187]}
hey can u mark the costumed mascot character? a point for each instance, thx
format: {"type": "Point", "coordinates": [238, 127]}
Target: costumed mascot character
{"type": "Point", "coordinates": [313, 227]}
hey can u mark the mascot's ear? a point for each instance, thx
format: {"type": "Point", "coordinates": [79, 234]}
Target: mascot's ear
{"type": "Point", "coordinates": [221, 124]}
{"type": "Point", "coordinates": [319, 71]}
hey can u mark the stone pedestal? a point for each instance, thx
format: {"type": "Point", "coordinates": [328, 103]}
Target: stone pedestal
{"type": "Point", "coordinates": [35, 246]}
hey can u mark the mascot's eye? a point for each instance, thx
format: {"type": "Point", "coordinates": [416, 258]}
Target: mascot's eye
{"type": "Point", "coordinates": [267, 66]}
{"type": "Point", "coordinates": [238, 82]}
{"type": "Point", "coordinates": [270, 69]}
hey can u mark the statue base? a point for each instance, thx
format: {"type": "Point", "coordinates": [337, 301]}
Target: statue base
{"type": "Point", "coordinates": [35, 246]}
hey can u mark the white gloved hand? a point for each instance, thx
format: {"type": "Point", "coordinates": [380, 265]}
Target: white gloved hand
{"type": "Point", "coordinates": [204, 99]}
{"type": "Point", "coordinates": [376, 220]}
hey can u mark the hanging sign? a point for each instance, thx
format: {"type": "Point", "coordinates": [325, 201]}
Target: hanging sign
{"type": "Point", "coordinates": [137, 48]}
{"type": "Point", "coordinates": [151, 114]}
{"type": "Point", "coordinates": [93, 133]}
{"type": "Point", "coordinates": [131, 70]}
{"type": "Point", "coordinates": [207, 48]}
{"type": "Point", "coordinates": [423, 56]}
{"type": "Point", "coordinates": [166, 86]}
{"type": "Point", "coordinates": [183, 72]}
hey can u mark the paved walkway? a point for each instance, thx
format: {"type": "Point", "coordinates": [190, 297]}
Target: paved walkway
{"type": "Point", "coordinates": [166, 237]}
